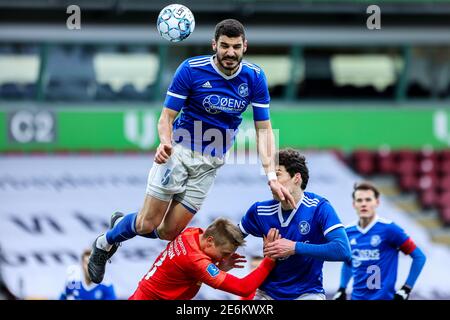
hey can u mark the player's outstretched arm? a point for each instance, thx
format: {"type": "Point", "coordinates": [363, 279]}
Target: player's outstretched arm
{"type": "Point", "coordinates": [247, 285]}
{"type": "Point", "coordinates": [336, 249]}
{"type": "Point", "coordinates": [165, 122]}
{"type": "Point", "coordinates": [417, 265]}
{"type": "Point", "coordinates": [234, 261]}
{"type": "Point", "coordinates": [265, 144]}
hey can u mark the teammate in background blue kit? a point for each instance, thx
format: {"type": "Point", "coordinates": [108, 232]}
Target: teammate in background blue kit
{"type": "Point", "coordinates": [198, 124]}
{"type": "Point", "coordinates": [82, 288]}
{"type": "Point", "coordinates": [375, 244]}
{"type": "Point", "coordinates": [311, 233]}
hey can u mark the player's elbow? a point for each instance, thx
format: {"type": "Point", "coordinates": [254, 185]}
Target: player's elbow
{"type": "Point", "coordinates": [419, 256]}
{"type": "Point", "coordinates": [348, 256]}
{"type": "Point", "coordinates": [346, 253]}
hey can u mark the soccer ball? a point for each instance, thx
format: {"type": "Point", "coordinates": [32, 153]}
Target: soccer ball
{"type": "Point", "coordinates": [175, 22]}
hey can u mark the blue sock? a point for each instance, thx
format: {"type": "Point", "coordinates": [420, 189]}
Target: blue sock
{"type": "Point", "coordinates": [152, 235]}
{"type": "Point", "coordinates": [125, 229]}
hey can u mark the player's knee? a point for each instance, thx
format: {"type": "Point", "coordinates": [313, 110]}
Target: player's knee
{"type": "Point", "coordinates": [166, 234]}
{"type": "Point", "coordinates": [145, 224]}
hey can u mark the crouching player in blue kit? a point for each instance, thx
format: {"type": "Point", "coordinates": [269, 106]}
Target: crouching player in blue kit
{"type": "Point", "coordinates": [312, 233]}
{"type": "Point", "coordinates": [375, 244]}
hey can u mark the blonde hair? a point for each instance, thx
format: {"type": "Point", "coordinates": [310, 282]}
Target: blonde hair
{"type": "Point", "coordinates": [225, 232]}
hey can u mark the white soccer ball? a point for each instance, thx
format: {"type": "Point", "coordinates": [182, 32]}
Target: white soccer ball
{"type": "Point", "coordinates": [175, 22]}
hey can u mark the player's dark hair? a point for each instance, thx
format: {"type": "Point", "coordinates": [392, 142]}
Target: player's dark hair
{"type": "Point", "coordinates": [294, 163]}
{"type": "Point", "coordinates": [365, 185]}
{"type": "Point", "coordinates": [230, 28]}
{"type": "Point", "coordinates": [224, 232]}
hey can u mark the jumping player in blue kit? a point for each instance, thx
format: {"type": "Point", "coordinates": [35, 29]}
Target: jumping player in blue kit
{"type": "Point", "coordinates": [376, 243]}
{"type": "Point", "coordinates": [198, 124]}
{"type": "Point", "coordinates": [311, 233]}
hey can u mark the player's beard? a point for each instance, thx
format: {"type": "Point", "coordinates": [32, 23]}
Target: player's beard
{"type": "Point", "coordinates": [223, 62]}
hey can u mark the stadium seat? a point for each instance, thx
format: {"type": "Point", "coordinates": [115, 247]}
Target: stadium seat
{"type": "Point", "coordinates": [129, 92]}
{"type": "Point", "coordinates": [444, 155]}
{"type": "Point", "coordinates": [444, 214]}
{"type": "Point", "coordinates": [428, 198]}
{"type": "Point", "coordinates": [386, 162]}
{"type": "Point", "coordinates": [428, 153]}
{"type": "Point", "coordinates": [444, 167]}
{"type": "Point", "coordinates": [363, 161]}
{"type": "Point", "coordinates": [408, 182]}
{"type": "Point", "coordinates": [29, 91]}
{"type": "Point", "coordinates": [444, 183]}
{"type": "Point", "coordinates": [407, 166]}
{"type": "Point", "coordinates": [70, 90]}
{"type": "Point", "coordinates": [417, 91]}
{"type": "Point", "coordinates": [105, 92]}
{"type": "Point", "coordinates": [428, 181]}
{"type": "Point", "coordinates": [406, 155]}
{"type": "Point", "coordinates": [443, 200]}
{"type": "Point", "coordinates": [11, 91]}
{"type": "Point", "coordinates": [428, 166]}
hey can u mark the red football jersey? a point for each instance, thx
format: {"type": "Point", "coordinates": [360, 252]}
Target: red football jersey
{"type": "Point", "coordinates": [179, 270]}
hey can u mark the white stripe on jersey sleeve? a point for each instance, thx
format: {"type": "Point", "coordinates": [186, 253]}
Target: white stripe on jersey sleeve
{"type": "Point", "coordinates": [199, 62]}
{"type": "Point", "coordinates": [271, 206]}
{"type": "Point", "coordinates": [200, 65]}
{"type": "Point", "coordinates": [309, 200]}
{"type": "Point", "coordinates": [199, 59]}
{"type": "Point", "coordinates": [242, 228]}
{"type": "Point", "coordinates": [332, 228]}
{"type": "Point", "coordinates": [179, 96]}
{"type": "Point", "coordinates": [267, 209]}
{"type": "Point", "coordinates": [260, 105]}
{"type": "Point", "coordinates": [251, 66]}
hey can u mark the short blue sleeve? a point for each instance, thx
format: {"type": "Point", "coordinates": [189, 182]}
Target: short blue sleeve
{"type": "Point", "coordinates": [261, 98]}
{"type": "Point", "coordinates": [397, 236]}
{"type": "Point", "coordinates": [250, 224]}
{"type": "Point", "coordinates": [328, 217]}
{"type": "Point", "coordinates": [179, 89]}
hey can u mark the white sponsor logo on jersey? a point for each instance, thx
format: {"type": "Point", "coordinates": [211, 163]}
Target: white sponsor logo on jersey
{"type": "Point", "coordinates": [243, 90]}
{"type": "Point", "coordinates": [207, 85]}
{"type": "Point", "coordinates": [375, 240]}
{"type": "Point", "coordinates": [215, 104]}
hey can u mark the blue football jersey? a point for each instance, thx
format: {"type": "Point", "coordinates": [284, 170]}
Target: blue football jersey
{"type": "Point", "coordinates": [79, 290]}
{"type": "Point", "coordinates": [212, 103]}
{"type": "Point", "coordinates": [313, 219]}
{"type": "Point", "coordinates": [375, 252]}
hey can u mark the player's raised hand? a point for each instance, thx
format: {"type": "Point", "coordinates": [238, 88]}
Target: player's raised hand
{"type": "Point", "coordinates": [233, 261]}
{"type": "Point", "coordinates": [282, 194]}
{"type": "Point", "coordinates": [272, 235]}
{"type": "Point", "coordinates": [163, 153]}
{"type": "Point", "coordinates": [280, 248]}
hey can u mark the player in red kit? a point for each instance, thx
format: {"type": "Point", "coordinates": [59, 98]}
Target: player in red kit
{"type": "Point", "coordinates": [199, 256]}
